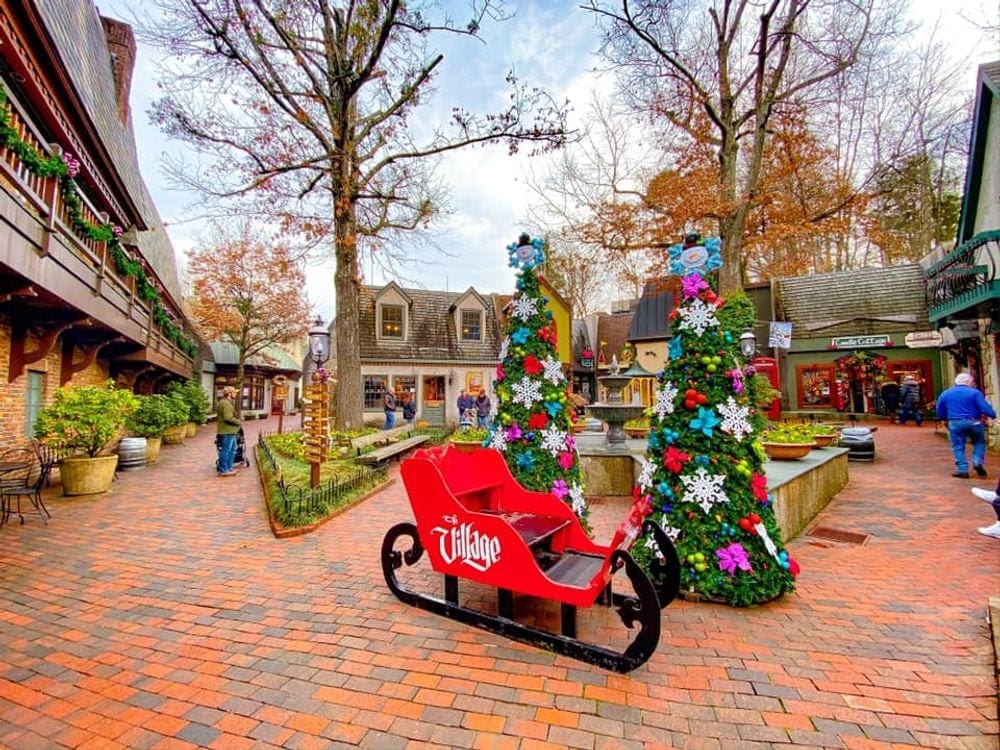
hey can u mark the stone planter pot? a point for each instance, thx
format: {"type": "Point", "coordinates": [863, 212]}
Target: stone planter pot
{"type": "Point", "coordinates": [132, 453]}
{"type": "Point", "coordinates": [190, 429]}
{"type": "Point", "coordinates": [466, 446]}
{"type": "Point", "coordinates": [87, 476]}
{"type": "Point", "coordinates": [787, 451]}
{"type": "Point", "coordinates": [152, 450]}
{"type": "Point", "coordinates": [174, 435]}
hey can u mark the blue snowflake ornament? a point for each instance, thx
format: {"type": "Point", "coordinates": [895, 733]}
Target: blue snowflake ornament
{"type": "Point", "coordinates": [521, 335]}
{"type": "Point", "coordinates": [676, 347]}
{"type": "Point", "coordinates": [705, 422]}
{"type": "Point", "coordinates": [526, 462]}
{"type": "Point", "coordinates": [526, 253]}
{"type": "Point", "coordinates": [701, 258]}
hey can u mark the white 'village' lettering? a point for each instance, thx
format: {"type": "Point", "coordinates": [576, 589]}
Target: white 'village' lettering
{"type": "Point", "coordinates": [464, 543]}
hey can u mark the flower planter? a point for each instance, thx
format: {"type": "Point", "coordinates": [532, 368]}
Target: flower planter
{"type": "Point", "coordinates": [174, 435]}
{"type": "Point", "coordinates": [190, 429]}
{"type": "Point", "coordinates": [87, 476]}
{"type": "Point", "coordinates": [467, 446]}
{"type": "Point", "coordinates": [787, 451]}
{"type": "Point", "coordinates": [822, 441]}
{"type": "Point", "coordinates": [637, 432]}
{"type": "Point", "coordinates": [152, 450]}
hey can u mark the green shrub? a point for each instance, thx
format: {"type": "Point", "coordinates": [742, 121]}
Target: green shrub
{"type": "Point", "coordinates": [195, 399]}
{"type": "Point", "coordinates": [153, 415]}
{"type": "Point", "coordinates": [86, 418]}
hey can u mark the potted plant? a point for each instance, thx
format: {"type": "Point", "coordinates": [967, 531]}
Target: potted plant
{"type": "Point", "coordinates": [824, 435]}
{"type": "Point", "coordinates": [87, 420]}
{"type": "Point", "coordinates": [637, 428]}
{"type": "Point", "coordinates": [151, 418]}
{"type": "Point", "coordinates": [470, 439]}
{"type": "Point", "coordinates": [788, 441]}
{"type": "Point", "coordinates": [196, 400]}
{"type": "Point", "coordinates": [175, 433]}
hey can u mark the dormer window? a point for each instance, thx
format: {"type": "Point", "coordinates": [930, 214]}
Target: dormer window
{"type": "Point", "coordinates": [391, 326]}
{"type": "Point", "coordinates": [472, 325]}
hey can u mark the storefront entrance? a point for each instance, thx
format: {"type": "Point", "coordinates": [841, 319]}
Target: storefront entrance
{"type": "Point", "coordinates": [432, 408]}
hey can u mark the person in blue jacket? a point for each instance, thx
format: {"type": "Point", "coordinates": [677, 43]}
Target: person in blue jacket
{"type": "Point", "coordinates": [965, 409]}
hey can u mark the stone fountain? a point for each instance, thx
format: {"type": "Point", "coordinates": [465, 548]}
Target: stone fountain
{"type": "Point", "coordinates": [614, 410]}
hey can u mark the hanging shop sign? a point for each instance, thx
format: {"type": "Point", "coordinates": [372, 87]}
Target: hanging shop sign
{"type": "Point", "coordinates": [924, 339]}
{"type": "Point", "coordinates": [279, 379]}
{"type": "Point", "coordinates": [859, 342]}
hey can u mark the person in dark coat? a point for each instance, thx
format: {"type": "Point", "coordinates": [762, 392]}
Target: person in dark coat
{"type": "Point", "coordinates": [227, 425]}
{"type": "Point", "coordinates": [910, 401]}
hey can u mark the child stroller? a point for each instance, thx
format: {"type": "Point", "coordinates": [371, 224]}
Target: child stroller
{"type": "Point", "coordinates": [240, 457]}
{"type": "Point", "coordinates": [467, 420]}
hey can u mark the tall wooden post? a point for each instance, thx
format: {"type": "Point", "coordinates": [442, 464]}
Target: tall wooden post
{"type": "Point", "coordinates": [316, 426]}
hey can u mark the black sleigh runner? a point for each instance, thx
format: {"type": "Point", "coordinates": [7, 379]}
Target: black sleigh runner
{"type": "Point", "coordinates": [477, 523]}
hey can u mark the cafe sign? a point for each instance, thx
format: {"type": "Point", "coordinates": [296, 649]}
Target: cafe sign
{"type": "Point", "coordinates": [859, 342]}
{"type": "Point", "coordinates": [924, 339]}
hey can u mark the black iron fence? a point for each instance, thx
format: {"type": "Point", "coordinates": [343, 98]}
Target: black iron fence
{"type": "Point", "coordinates": [331, 492]}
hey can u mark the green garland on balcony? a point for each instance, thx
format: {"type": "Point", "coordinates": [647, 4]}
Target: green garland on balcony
{"type": "Point", "coordinates": [64, 169]}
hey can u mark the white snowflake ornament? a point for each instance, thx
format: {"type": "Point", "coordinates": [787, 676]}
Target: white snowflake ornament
{"type": "Point", "coordinates": [527, 392]}
{"type": "Point", "coordinates": [646, 471]}
{"type": "Point", "coordinates": [498, 439]}
{"type": "Point", "coordinates": [553, 440]}
{"type": "Point", "coordinates": [699, 316]}
{"type": "Point", "coordinates": [524, 307]}
{"type": "Point", "coordinates": [576, 497]}
{"type": "Point", "coordinates": [735, 419]}
{"type": "Point", "coordinates": [553, 370]}
{"type": "Point", "coordinates": [704, 489]}
{"type": "Point", "coordinates": [665, 400]}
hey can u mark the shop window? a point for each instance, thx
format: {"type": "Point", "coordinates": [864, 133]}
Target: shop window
{"type": "Point", "coordinates": [472, 325]}
{"type": "Point", "coordinates": [253, 393]}
{"type": "Point", "coordinates": [816, 386]}
{"type": "Point", "coordinates": [373, 385]}
{"type": "Point", "coordinates": [403, 384]}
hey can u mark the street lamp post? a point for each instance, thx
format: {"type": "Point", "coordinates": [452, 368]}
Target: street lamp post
{"type": "Point", "coordinates": [315, 412]}
{"type": "Point", "coordinates": [748, 343]}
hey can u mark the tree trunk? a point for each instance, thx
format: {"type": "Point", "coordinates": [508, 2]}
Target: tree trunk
{"type": "Point", "coordinates": [732, 223]}
{"type": "Point", "coordinates": [347, 282]}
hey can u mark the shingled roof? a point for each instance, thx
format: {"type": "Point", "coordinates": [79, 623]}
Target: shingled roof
{"type": "Point", "coordinates": [866, 301]}
{"type": "Point", "coordinates": [650, 321]}
{"type": "Point", "coordinates": [431, 335]}
{"type": "Point", "coordinates": [613, 329]}
{"type": "Point", "coordinates": [78, 34]}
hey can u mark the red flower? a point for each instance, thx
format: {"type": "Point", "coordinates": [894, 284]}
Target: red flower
{"type": "Point", "coordinates": [793, 567]}
{"type": "Point", "coordinates": [674, 459]}
{"type": "Point", "coordinates": [532, 366]}
{"type": "Point", "coordinates": [537, 421]}
{"type": "Point", "coordinates": [758, 483]}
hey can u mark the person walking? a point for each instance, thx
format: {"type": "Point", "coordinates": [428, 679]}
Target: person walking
{"type": "Point", "coordinates": [910, 402]}
{"type": "Point", "coordinates": [227, 425]}
{"type": "Point", "coordinates": [483, 408]}
{"type": "Point", "coordinates": [409, 408]}
{"type": "Point", "coordinates": [993, 498]}
{"type": "Point", "coordinates": [389, 407]}
{"type": "Point", "coordinates": [964, 409]}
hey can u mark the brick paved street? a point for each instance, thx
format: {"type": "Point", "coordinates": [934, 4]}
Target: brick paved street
{"type": "Point", "coordinates": [164, 614]}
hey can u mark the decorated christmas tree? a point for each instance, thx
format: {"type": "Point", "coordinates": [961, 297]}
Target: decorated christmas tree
{"type": "Point", "coordinates": [532, 423]}
{"type": "Point", "coordinates": [702, 478]}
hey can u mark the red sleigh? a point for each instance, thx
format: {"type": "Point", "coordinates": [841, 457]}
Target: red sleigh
{"type": "Point", "coordinates": [476, 522]}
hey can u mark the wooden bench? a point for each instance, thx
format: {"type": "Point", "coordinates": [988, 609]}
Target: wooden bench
{"type": "Point", "coordinates": [383, 437]}
{"type": "Point", "coordinates": [398, 448]}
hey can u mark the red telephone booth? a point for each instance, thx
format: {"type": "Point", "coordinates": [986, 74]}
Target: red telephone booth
{"type": "Point", "coordinates": [768, 367]}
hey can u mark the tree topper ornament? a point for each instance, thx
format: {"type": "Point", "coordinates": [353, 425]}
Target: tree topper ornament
{"type": "Point", "coordinates": [526, 253]}
{"type": "Point", "coordinates": [695, 256]}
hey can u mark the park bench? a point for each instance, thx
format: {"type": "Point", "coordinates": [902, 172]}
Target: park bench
{"type": "Point", "coordinates": [396, 449]}
{"type": "Point", "coordinates": [382, 437]}
{"type": "Point", "coordinates": [477, 523]}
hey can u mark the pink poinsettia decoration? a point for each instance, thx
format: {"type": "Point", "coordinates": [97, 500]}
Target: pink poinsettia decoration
{"type": "Point", "coordinates": [692, 285]}
{"type": "Point", "coordinates": [758, 483]}
{"type": "Point", "coordinates": [566, 460]}
{"type": "Point", "coordinates": [732, 557]}
{"type": "Point", "coordinates": [674, 459]}
{"type": "Point", "coordinates": [559, 488]}
{"type": "Point", "coordinates": [514, 432]}
{"type": "Point", "coordinates": [500, 373]}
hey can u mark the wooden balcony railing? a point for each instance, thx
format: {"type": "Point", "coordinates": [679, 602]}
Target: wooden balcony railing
{"type": "Point", "coordinates": [965, 277]}
{"type": "Point", "coordinates": [86, 259]}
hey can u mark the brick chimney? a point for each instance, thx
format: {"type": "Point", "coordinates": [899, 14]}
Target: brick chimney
{"type": "Point", "coordinates": [121, 45]}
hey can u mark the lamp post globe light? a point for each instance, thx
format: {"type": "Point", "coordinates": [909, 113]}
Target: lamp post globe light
{"type": "Point", "coordinates": [748, 343]}
{"type": "Point", "coordinates": [319, 342]}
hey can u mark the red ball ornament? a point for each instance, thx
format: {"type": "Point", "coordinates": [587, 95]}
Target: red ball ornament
{"type": "Point", "coordinates": [745, 524]}
{"type": "Point", "coordinates": [701, 398]}
{"type": "Point", "coordinates": [689, 403]}
{"type": "Point", "coordinates": [754, 518]}
{"type": "Point", "coordinates": [690, 393]}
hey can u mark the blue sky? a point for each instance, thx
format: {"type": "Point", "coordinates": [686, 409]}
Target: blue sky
{"type": "Point", "coordinates": [550, 43]}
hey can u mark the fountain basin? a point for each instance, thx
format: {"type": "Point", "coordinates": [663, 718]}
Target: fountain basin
{"type": "Point", "coordinates": [616, 415]}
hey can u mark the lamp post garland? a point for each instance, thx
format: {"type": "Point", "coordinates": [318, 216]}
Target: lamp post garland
{"type": "Point", "coordinates": [316, 398]}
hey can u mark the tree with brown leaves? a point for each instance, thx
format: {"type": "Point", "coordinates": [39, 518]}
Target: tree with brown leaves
{"type": "Point", "coordinates": [249, 292]}
{"type": "Point", "coordinates": [312, 111]}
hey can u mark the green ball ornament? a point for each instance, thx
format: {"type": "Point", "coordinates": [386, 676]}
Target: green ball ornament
{"type": "Point", "coordinates": [711, 368]}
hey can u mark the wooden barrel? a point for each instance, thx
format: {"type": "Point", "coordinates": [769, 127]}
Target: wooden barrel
{"type": "Point", "coordinates": [132, 453]}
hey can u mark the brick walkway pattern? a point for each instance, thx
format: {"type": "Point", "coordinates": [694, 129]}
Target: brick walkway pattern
{"type": "Point", "coordinates": [164, 614]}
